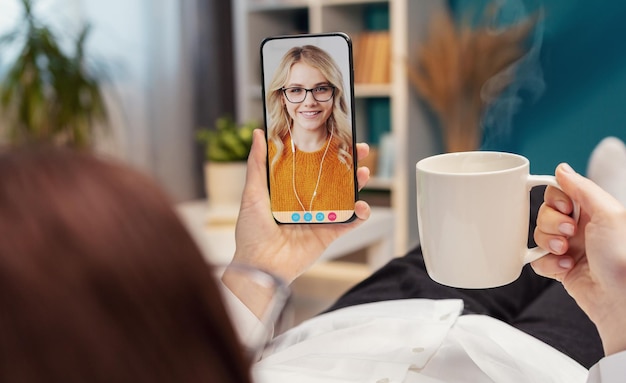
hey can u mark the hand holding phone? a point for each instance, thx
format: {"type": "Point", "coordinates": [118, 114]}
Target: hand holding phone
{"type": "Point", "coordinates": [309, 117]}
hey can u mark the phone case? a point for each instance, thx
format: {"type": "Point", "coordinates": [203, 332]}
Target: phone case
{"type": "Point", "coordinates": [308, 100]}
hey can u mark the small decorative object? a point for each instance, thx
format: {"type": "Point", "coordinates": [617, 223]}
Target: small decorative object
{"type": "Point", "coordinates": [454, 68]}
{"type": "Point", "coordinates": [226, 151]}
{"type": "Point", "coordinates": [46, 94]}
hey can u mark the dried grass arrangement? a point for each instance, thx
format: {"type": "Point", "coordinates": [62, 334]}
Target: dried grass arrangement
{"type": "Point", "coordinates": [461, 68]}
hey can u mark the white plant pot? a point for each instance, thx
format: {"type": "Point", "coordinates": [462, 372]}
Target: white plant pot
{"type": "Point", "coordinates": [224, 182]}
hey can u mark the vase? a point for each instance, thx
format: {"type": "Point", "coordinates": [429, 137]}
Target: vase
{"type": "Point", "coordinates": [224, 183]}
{"type": "Point", "coordinates": [461, 127]}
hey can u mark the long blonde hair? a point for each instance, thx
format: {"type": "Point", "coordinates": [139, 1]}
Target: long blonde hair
{"type": "Point", "coordinates": [280, 121]}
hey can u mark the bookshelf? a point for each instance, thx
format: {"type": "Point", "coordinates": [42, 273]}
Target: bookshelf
{"type": "Point", "coordinates": [388, 112]}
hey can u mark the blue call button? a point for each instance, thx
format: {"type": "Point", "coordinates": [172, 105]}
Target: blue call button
{"type": "Point", "coordinates": [308, 217]}
{"type": "Point", "coordinates": [295, 217]}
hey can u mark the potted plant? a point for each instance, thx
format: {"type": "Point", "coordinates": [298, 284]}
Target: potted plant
{"type": "Point", "coordinates": [48, 95]}
{"type": "Point", "coordinates": [226, 150]}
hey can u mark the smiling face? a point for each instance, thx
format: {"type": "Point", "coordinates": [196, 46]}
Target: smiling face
{"type": "Point", "coordinates": [310, 114]}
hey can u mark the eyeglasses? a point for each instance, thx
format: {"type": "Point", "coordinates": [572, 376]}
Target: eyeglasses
{"type": "Point", "coordinates": [296, 95]}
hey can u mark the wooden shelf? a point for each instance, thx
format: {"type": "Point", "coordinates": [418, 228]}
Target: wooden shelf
{"type": "Point", "coordinates": [376, 183]}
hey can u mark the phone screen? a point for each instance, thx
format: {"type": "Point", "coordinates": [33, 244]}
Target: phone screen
{"type": "Point", "coordinates": [308, 96]}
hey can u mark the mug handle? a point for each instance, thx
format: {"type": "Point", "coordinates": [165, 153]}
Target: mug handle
{"type": "Point", "coordinates": [537, 252]}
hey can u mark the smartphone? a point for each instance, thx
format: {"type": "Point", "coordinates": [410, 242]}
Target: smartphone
{"type": "Point", "coordinates": [308, 101]}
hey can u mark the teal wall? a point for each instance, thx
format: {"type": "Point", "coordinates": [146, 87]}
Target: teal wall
{"type": "Point", "coordinates": [583, 60]}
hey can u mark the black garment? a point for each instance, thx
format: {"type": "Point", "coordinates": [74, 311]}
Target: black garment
{"type": "Point", "coordinates": [538, 306]}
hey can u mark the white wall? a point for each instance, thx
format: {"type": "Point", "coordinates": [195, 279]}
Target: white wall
{"type": "Point", "coordinates": [149, 92]}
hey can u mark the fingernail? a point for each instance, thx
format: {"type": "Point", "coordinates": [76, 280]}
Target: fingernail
{"type": "Point", "coordinates": [566, 168]}
{"type": "Point", "coordinates": [566, 229]}
{"type": "Point", "coordinates": [566, 263]}
{"type": "Point", "coordinates": [561, 206]}
{"type": "Point", "coordinates": [556, 245]}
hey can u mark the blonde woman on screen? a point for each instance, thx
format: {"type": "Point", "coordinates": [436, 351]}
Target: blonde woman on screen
{"type": "Point", "coordinates": [309, 134]}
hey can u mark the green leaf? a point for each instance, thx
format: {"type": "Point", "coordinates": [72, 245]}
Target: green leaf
{"type": "Point", "coordinates": [227, 141]}
{"type": "Point", "coordinates": [48, 94]}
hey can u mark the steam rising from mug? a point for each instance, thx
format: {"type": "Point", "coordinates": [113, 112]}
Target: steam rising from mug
{"type": "Point", "coordinates": [527, 74]}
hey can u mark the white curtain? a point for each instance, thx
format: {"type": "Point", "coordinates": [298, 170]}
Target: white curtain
{"type": "Point", "coordinates": [140, 45]}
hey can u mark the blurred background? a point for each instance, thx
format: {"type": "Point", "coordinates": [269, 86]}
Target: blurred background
{"type": "Point", "coordinates": [165, 69]}
{"type": "Point", "coordinates": [542, 78]}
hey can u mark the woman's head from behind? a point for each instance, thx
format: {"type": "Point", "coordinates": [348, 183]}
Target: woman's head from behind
{"type": "Point", "coordinates": [99, 280]}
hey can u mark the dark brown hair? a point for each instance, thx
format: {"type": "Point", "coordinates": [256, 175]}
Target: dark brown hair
{"type": "Point", "coordinates": [100, 281]}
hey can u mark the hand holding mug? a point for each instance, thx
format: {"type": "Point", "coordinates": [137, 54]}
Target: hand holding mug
{"type": "Point", "coordinates": [588, 257]}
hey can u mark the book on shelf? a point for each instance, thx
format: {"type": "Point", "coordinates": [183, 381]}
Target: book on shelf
{"type": "Point", "coordinates": [372, 51]}
{"type": "Point", "coordinates": [372, 57]}
{"type": "Point", "coordinates": [385, 166]}
{"type": "Point", "coordinates": [378, 115]}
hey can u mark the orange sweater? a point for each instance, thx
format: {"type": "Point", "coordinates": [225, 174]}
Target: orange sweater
{"type": "Point", "coordinates": [336, 187]}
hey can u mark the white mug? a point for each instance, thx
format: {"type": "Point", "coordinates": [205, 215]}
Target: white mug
{"type": "Point", "coordinates": [473, 215]}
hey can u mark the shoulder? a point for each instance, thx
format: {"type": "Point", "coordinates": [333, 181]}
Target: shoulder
{"type": "Point", "coordinates": [335, 150]}
{"type": "Point", "coordinates": [271, 146]}
{"type": "Point", "coordinates": [337, 144]}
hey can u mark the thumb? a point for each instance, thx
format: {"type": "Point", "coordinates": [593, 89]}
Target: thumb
{"type": "Point", "coordinates": [591, 197]}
